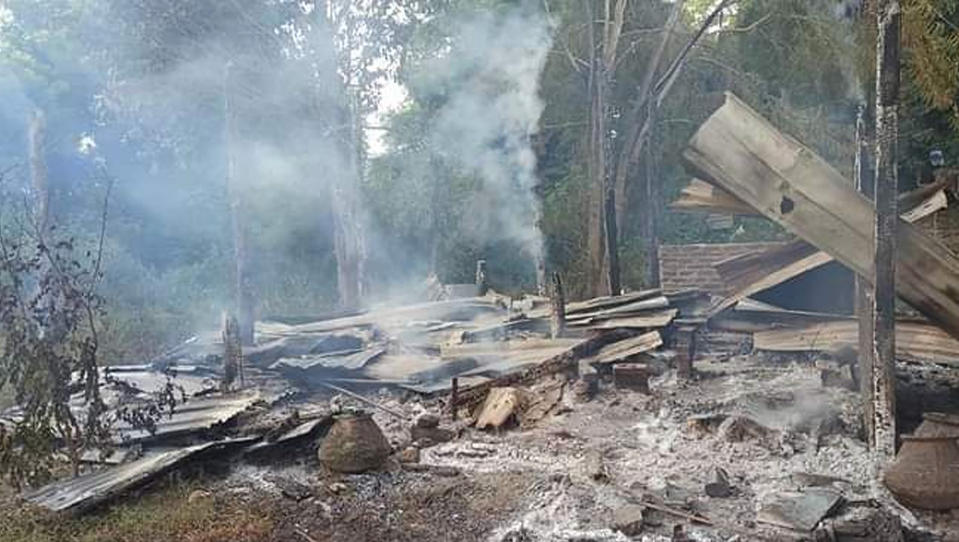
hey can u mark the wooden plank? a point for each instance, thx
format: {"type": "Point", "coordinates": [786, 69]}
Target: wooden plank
{"type": "Point", "coordinates": [622, 350]}
{"type": "Point", "coordinates": [700, 196]}
{"type": "Point", "coordinates": [914, 340]}
{"type": "Point", "coordinates": [652, 320]}
{"type": "Point", "coordinates": [655, 303]}
{"type": "Point", "coordinates": [741, 151]}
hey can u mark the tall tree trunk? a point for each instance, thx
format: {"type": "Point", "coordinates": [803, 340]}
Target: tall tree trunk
{"type": "Point", "coordinates": [596, 170]}
{"type": "Point", "coordinates": [349, 242]}
{"type": "Point", "coordinates": [887, 216]}
{"type": "Point", "coordinates": [242, 283]}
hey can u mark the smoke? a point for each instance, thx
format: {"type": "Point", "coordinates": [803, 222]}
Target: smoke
{"type": "Point", "coordinates": [492, 73]}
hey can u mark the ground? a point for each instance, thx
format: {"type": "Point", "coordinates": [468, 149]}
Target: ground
{"type": "Point", "coordinates": [567, 477]}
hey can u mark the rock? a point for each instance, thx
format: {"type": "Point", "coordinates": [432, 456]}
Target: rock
{"type": "Point", "coordinates": [410, 454]}
{"type": "Point", "coordinates": [354, 444]}
{"type": "Point", "coordinates": [292, 489]}
{"type": "Point", "coordinates": [741, 428]}
{"type": "Point", "coordinates": [585, 388]}
{"type": "Point", "coordinates": [596, 467]}
{"type": "Point", "coordinates": [719, 488]}
{"type": "Point", "coordinates": [427, 421]}
{"type": "Point", "coordinates": [628, 519]}
{"type": "Point", "coordinates": [425, 437]}
{"type": "Point", "coordinates": [337, 487]}
{"type": "Point", "coordinates": [438, 470]}
{"type": "Point", "coordinates": [197, 495]}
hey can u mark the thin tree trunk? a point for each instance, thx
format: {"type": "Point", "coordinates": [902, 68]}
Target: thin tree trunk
{"type": "Point", "coordinates": [242, 285]}
{"type": "Point", "coordinates": [634, 119]}
{"type": "Point", "coordinates": [37, 132]}
{"type": "Point", "coordinates": [595, 165]}
{"type": "Point", "coordinates": [863, 288]}
{"type": "Point", "coordinates": [887, 216]}
{"type": "Point", "coordinates": [649, 211]}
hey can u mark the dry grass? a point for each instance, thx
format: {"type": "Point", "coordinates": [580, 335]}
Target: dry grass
{"type": "Point", "coordinates": [178, 512]}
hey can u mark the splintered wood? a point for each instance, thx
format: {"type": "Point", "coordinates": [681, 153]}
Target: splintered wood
{"type": "Point", "coordinates": [742, 152]}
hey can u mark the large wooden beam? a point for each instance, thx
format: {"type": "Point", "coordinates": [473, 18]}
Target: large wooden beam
{"type": "Point", "coordinates": [737, 149]}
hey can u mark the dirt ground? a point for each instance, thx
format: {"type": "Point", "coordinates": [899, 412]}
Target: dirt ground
{"type": "Point", "coordinates": [574, 474]}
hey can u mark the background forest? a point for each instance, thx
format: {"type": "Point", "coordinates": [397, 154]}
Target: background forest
{"type": "Point", "coordinates": [357, 146]}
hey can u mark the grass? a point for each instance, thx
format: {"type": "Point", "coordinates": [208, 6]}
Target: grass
{"type": "Point", "coordinates": [181, 511]}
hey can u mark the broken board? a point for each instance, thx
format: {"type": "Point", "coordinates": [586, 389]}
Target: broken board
{"type": "Point", "coordinates": [739, 150]}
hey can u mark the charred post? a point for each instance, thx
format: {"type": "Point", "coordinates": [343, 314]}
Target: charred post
{"type": "Point", "coordinates": [886, 191]}
{"type": "Point", "coordinates": [863, 303]}
{"type": "Point", "coordinates": [557, 301]}
{"type": "Point", "coordinates": [232, 353]}
{"type": "Point", "coordinates": [454, 396]}
{"type": "Point", "coordinates": [482, 284]}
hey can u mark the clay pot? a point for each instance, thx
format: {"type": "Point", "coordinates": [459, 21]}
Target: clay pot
{"type": "Point", "coordinates": [354, 444]}
{"type": "Point", "coordinates": [925, 474]}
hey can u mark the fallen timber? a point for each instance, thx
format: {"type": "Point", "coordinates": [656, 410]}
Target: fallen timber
{"type": "Point", "coordinates": [742, 152]}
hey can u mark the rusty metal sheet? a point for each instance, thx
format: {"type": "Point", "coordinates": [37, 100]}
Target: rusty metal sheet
{"type": "Point", "coordinates": [86, 491]}
{"type": "Point", "coordinates": [197, 414]}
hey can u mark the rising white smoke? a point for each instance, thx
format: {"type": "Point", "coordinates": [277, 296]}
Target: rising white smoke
{"type": "Point", "coordinates": [493, 68]}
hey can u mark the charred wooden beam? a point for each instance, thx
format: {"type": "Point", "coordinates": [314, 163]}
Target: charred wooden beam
{"type": "Point", "coordinates": [557, 300]}
{"type": "Point", "coordinates": [883, 294]}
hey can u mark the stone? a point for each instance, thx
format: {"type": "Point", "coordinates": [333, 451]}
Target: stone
{"type": "Point", "coordinates": [425, 437]}
{"type": "Point", "coordinates": [410, 454]}
{"type": "Point", "coordinates": [197, 496]}
{"type": "Point", "coordinates": [719, 488]}
{"type": "Point", "coordinates": [427, 421]}
{"type": "Point", "coordinates": [628, 519]}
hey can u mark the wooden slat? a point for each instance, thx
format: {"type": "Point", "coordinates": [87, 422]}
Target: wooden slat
{"type": "Point", "coordinates": [738, 149]}
{"type": "Point", "coordinates": [652, 320]}
{"type": "Point", "coordinates": [913, 340]}
{"type": "Point", "coordinates": [700, 196]}
{"type": "Point", "coordinates": [622, 350]}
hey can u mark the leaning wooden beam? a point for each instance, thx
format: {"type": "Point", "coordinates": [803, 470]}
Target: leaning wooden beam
{"type": "Point", "coordinates": [738, 149]}
{"type": "Point", "coordinates": [754, 272]}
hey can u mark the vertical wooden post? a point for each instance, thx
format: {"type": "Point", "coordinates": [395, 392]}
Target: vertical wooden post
{"type": "Point", "coordinates": [557, 300]}
{"type": "Point", "coordinates": [863, 303]}
{"type": "Point", "coordinates": [482, 285]}
{"type": "Point", "coordinates": [887, 216]}
{"type": "Point", "coordinates": [454, 396]}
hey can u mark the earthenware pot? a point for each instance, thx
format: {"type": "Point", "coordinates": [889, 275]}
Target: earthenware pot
{"type": "Point", "coordinates": [925, 473]}
{"type": "Point", "coordinates": [354, 444]}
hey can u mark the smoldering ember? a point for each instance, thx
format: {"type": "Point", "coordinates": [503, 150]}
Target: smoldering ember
{"type": "Point", "coordinates": [504, 271]}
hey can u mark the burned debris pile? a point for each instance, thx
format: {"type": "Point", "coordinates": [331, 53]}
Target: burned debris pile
{"type": "Point", "coordinates": [697, 412]}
